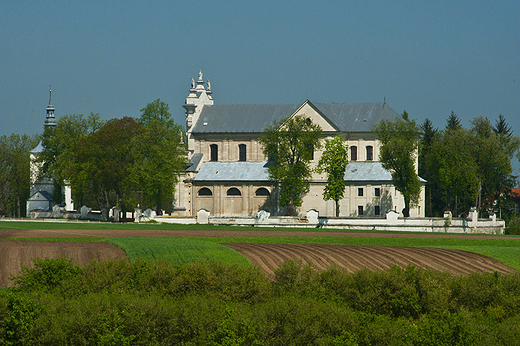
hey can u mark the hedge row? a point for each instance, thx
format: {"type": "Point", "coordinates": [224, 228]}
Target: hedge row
{"type": "Point", "coordinates": [118, 303]}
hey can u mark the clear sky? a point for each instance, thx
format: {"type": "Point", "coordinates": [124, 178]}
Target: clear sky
{"type": "Point", "coordinates": [113, 57]}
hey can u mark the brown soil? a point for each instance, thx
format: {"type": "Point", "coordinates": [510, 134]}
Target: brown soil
{"type": "Point", "coordinates": [15, 253]}
{"type": "Point", "coordinates": [355, 257]}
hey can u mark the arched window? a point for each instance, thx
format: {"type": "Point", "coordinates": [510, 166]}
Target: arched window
{"type": "Point", "coordinates": [234, 192]}
{"type": "Point", "coordinates": [370, 153]}
{"type": "Point", "coordinates": [242, 153]}
{"type": "Point", "coordinates": [205, 192]}
{"type": "Point", "coordinates": [262, 192]}
{"type": "Point", "coordinates": [353, 153]}
{"type": "Point", "coordinates": [213, 152]}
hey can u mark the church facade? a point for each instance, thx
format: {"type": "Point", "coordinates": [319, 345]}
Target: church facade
{"type": "Point", "coordinates": [227, 174]}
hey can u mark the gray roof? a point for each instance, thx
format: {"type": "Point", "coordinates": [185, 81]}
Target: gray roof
{"type": "Point", "coordinates": [368, 171]}
{"type": "Point", "coordinates": [39, 149]}
{"type": "Point", "coordinates": [233, 171]}
{"type": "Point", "coordinates": [357, 117]}
{"type": "Point", "coordinates": [194, 162]}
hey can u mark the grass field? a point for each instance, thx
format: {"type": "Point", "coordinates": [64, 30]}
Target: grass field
{"type": "Point", "coordinates": [184, 250]}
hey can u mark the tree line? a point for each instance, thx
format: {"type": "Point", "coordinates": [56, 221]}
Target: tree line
{"type": "Point", "coordinates": [125, 162]}
{"type": "Point", "coordinates": [468, 168]}
{"type": "Point", "coordinates": [130, 162]}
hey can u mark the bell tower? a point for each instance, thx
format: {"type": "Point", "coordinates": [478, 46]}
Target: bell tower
{"type": "Point", "coordinates": [198, 97]}
{"type": "Point", "coordinates": [50, 120]}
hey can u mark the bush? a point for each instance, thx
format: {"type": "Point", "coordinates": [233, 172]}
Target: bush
{"type": "Point", "coordinates": [47, 273]}
{"type": "Point", "coordinates": [513, 226]}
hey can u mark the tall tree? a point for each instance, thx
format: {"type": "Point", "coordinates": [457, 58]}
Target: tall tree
{"type": "Point", "coordinates": [493, 157]}
{"type": "Point", "coordinates": [399, 142]}
{"type": "Point", "coordinates": [453, 122]}
{"type": "Point", "coordinates": [428, 133]}
{"type": "Point", "coordinates": [15, 172]}
{"type": "Point", "coordinates": [106, 159]}
{"type": "Point", "coordinates": [59, 154]}
{"type": "Point", "coordinates": [453, 169]}
{"type": "Point", "coordinates": [291, 144]}
{"type": "Point", "coordinates": [160, 155]}
{"type": "Point", "coordinates": [155, 111]}
{"type": "Point", "coordinates": [333, 162]}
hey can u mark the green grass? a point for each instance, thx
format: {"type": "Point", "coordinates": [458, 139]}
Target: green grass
{"type": "Point", "coordinates": [182, 250]}
{"type": "Point", "coordinates": [177, 250]}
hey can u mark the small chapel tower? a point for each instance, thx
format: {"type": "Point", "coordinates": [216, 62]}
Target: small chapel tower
{"type": "Point", "coordinates": [42, 187]}
{"type": "Point", "coordinates": [50, 120]}
{"type": "Point", "coordinates": [198, 97]}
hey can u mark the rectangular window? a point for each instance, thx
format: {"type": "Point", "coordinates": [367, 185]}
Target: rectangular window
{"type": "Point", "coordinates": [242, 152]}
{"type": "Point", "coordinates": [377, 210]}
{"type": "Point", "coordinates": [360, 210]}
{"type": "Point", "coordinates": [353, 153]}
{"type": "Point", "coordinates": [213, 152]}
{"type": "Point", "coordinates": [377, 192]}
{"type": "Point", "coordinates": [370, 153]}
{"type": "Point", "coordinates": [360, 191]}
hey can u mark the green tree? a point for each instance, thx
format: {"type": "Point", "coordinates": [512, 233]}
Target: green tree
{"type": "Point", "coordinates": [160, 155]}
{"type": "Point", "coordinates": [59, 155]}
{"type": "Point", "coordinates": [290, 145]}
{"type": "Point", "coordinates": [428, 133]}
{"type": "Point", "coordinates": [15, 172]}
{"type": "Point", "coordinates": [453, 122]}
{"type": "Point", "coordinates": [333, 162]}
{"type": "Point", "coordinates": [155, 111]}
{"type": "Point", "coordinates": [453, 169]}
{"type": "Point", "coordinates": [493, 157]}
{"type": "Point", "coordinates": [105, 159]}
{"type": "Point", "coordinates": [399, 142]}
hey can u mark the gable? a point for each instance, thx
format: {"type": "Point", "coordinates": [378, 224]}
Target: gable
{"type": "Point", "coordinates": [307, 110]}
{"type": "Point", "coordinates": [332, 117]}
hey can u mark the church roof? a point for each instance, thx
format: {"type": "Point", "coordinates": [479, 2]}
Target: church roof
{"type": "Point", "coordinates": [356, 171]}
{"type": "Point", "coordinates": [39, 149]}
{"type": "Point", "coordinates": [233, 171]}
{"type": "Point", "coordinates": [357, 117]}
{"type": "Point", "coordinates": [368, 171]}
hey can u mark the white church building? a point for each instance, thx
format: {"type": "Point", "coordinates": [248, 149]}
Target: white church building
{"type": "Point", "coordinates": [227, 173]}
{"type": "Point", "coordinates": [42, 187]}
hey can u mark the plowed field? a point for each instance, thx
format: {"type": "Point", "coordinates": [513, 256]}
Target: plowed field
{"type": "Point", "coordinates": [15, 253]}
{"type": "Point", "coordinates": [355, 257]}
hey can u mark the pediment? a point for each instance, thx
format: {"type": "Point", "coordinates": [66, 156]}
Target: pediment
{"type": "Point", "coordinates": [308, 110]}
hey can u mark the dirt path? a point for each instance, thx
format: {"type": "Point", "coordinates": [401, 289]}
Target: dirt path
{"type": "Point", "coordinates": [42, 233]}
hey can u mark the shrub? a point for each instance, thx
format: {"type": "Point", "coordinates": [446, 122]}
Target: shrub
{"type": "Point", "coordinates": [47, 273]}
{"type": "Point", "coordinates": [513, 226]}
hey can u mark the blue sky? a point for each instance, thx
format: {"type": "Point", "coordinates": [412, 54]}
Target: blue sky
{"type": "Point", "coordinates": [113, 57]}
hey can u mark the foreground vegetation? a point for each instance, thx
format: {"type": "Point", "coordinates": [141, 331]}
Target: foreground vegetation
{"type": "Point", "coordinates": [211, 303]}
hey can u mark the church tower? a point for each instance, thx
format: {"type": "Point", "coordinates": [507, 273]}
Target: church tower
{"type": "Point", "coordinates": [50, 120]}
{"type": "Point", "coordinates": [199, 97]}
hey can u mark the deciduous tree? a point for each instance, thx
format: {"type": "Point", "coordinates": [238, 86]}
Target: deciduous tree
{"type": "Point", "coordinates": [398, 152]}
{"type": "Point", "coordinates": [290, 144]}
{"type": "Point", "coordinates": [160, 155]}
{"type": "Point", "coordinates": [15, 172]}
{"type": "Point", "coordinates": [333, 162]}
